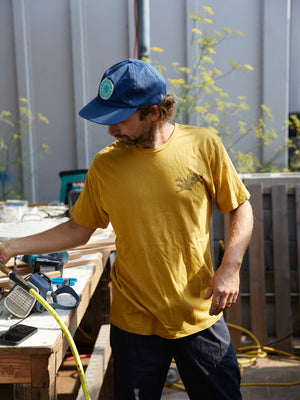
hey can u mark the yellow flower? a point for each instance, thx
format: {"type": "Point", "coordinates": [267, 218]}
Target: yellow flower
{"type": "Point", "coordinates": [26, 114]}
{"type": "Point", "coordinates": [218, 33]}
{"type": "Point", "coordinates": [217, 71]}
{"type": "Point", "coordinates": [157, 49]}
{"type": "Point", "coordinates": [211, 118]}
{"type": "Point", "coordinates": [247, 66]}
{"type": "Point", "coordinates": [5, 113]}
{"type": "Point", "coordinates": [223, 95]}
{"type": "Point", "coordinates": [242, 127]}
{"type": "Point", "coordinates": [23, 99]}
{"type": "Point", "coordinates": [201, 109]}
{"type": "Point", "coordinates": [206, 59]}
{"type": "Point", "coordinates": [207, 20]}
{"type": "Point", "coordinates": [46, 147]}
{"type": "Point", "coordinates": [227, 30]}
{"type": "Point", "coordinates": [235, 65]}
{"type": "Point", "coordinates": [267, 112]}
{"type": "Point", "coordinates": [182, 100]}
{"type": "Point", "coordinates": [185, 70]}
{"type": "Point", "coordinates": [220, 105]}
{"type": "Point", "coordinates": [43, 118]}
{"type": "Point", "coordinates": [208, 10]}
{"type": "Point", "coordinates": [207, 79]}
{"type": "Point", "coordinates": [160, 68]}
{"type": "Point", "coordinates": [195, 16]}
{"type": "Point", "coordinates": [211, 50]}
{"type": "Point", "coordinates": [195, 30]}
{"type": "Point", "coordinates": [176, 82]}
{"type": "Point", "coordinates": [146, 59]}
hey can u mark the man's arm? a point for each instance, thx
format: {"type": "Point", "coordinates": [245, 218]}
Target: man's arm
{"type": "Point", "coordinates": [224, 286]}
{"type": "Point", "coordinates": [62, 237]}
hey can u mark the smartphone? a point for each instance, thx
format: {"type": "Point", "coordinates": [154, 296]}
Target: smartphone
{"type": "Point", "coordinates": [16, 334]}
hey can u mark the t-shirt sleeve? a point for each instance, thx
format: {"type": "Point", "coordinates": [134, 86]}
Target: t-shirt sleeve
{"type": "Point", "coordinates": [88, 210]}
{"type": "Point", "coordinates": [228, 191]}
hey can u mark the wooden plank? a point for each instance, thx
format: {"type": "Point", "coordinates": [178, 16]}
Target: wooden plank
{"type": "Point", "coordinates": [297, 205]}
{"type": "Point", "coordinates": [257, 268]}
{"type": "Point", "coordinates": [15, 368]}
{"type": "Point", "coordinates": [43, 378]}
{"type": "Point", "coordinates": [283, 314]}
{"type": "Point", "coordinates": [41, 367]}
{"type": "Point", "coordinates": [98, 363]}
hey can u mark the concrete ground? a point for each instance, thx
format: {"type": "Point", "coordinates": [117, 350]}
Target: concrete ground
{"type": "Point", "coordinates": [264, 370]}
{"type": "Point", "coordinates": [272, 369]}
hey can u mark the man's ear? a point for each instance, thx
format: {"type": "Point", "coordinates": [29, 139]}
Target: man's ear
{"type": "Point", "coordinates": [154, 113]}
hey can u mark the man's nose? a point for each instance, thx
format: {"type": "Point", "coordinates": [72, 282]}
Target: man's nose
{"type": "Point", "coordinates": [112, 130]}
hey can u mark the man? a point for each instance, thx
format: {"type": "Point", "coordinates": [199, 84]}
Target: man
{"type": "Point", "coordinates": [156, 184]}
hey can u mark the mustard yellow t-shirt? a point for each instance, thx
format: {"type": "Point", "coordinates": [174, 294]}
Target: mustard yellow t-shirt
{"type": "Point", "coordinates": [159, 202]}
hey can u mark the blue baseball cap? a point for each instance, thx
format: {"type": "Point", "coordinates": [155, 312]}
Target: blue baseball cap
{"type": "Point", "coordinates": [124, 88]}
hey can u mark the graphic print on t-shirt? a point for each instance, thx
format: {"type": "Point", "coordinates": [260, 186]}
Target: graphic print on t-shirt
{"type": "Point", "coordinates": [188, 182]}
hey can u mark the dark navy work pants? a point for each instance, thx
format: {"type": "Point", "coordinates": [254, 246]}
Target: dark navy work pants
{"type": "Point", "coordinates": [206, 362]}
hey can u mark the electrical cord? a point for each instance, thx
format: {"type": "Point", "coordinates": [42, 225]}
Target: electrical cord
{"type": "Point", "coordinates": [297, 331]}
{"type": "Point", "coordinates": [90, 339]}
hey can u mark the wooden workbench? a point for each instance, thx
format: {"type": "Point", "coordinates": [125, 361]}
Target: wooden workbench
{"type": "Point", "coordinates": [32, 366]}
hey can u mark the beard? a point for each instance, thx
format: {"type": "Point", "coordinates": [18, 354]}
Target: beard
{"type": "Point", "coordinates": [144, 140]}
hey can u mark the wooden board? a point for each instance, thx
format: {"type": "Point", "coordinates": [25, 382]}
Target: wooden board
{"type": "Point", "coordinates": [281, 267]}
{"type": "Point", "coordinates": [257, 268]}
{"type": "Point", "coordinates": [98, 364]}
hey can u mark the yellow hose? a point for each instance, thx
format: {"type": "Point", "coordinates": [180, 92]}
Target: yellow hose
{"type": "Point", "coordinates": [86, 335]}
{"type": "Point", "coordinates": [70, 340]}
{"type": "Point", "coordinates": [259, 351]}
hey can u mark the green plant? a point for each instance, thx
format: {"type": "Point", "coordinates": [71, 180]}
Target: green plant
{"type": "Point", "coordinates": [11, 147]}
{"type": "Point", "coordinates": [199, 96]}
{"type": "Point", "coordinates": [294, 143]}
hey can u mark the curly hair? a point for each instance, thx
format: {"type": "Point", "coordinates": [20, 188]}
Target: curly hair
{"type": "Point", "coordinates": [166, 108]}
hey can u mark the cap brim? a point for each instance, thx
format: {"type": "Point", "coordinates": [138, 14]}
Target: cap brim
{"type": "Point", "coordinates": [101, 114]}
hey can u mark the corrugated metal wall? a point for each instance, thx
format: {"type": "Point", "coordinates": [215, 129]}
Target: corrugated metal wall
{"type": "Point", "coordinates": [54, 53]}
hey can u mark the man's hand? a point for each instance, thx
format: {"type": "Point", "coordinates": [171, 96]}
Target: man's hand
{"type": "Point", "coordinates": [224, 289]}
{"type": "Point", "coordinates": [5, 255]}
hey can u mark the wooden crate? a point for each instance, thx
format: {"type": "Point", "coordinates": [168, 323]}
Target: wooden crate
{"type": "Point", "coordinates": [269, 301]}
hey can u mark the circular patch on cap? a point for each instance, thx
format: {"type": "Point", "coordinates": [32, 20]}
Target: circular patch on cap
{"type": "Point", "coordinates": [106, 89]}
